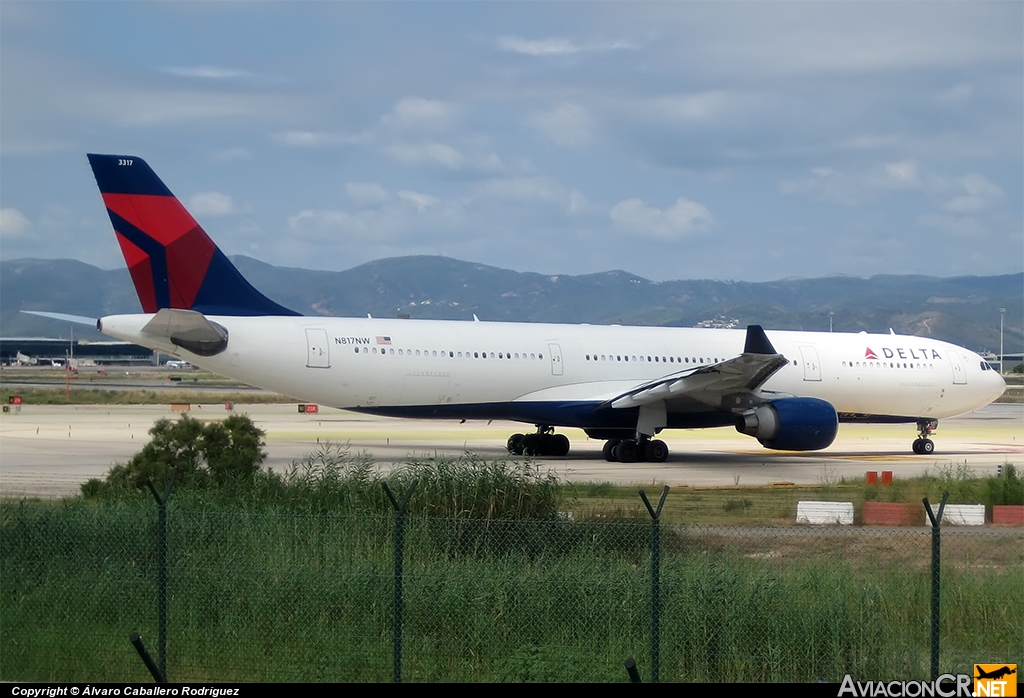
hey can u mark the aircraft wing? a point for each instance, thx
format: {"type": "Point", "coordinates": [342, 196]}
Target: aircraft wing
{"type": "Point", "coordinates": [732, 385]}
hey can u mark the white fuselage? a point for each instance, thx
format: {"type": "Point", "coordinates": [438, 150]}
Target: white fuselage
{"type": "Point", "coordinates": [553, 374]}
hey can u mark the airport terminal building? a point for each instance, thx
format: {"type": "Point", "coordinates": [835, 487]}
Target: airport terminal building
{"type": "Point", "coordinates": [48, 351]}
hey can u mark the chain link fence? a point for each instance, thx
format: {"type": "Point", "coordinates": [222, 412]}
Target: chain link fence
{"type": "Point", "coordinates": [275, 595]}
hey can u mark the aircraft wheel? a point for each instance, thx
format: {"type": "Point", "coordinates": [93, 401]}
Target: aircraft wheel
{"type": "Point", "coordinates": [656, 452]}
{"type": "Point", "coordinates": [927, 446]}
{"type": "Point", "coordinates": [559, 445]}
{"type": "Point", "coordinates": [515, 444]}
{"type": "Point", "coordinates": [626, 451]}
{"type": "Point", "coordinates": [532, 445]}
{"type": "Point", "coordinates": [609, 450]}
{"type": "Point", "coordinates": [916, 446]}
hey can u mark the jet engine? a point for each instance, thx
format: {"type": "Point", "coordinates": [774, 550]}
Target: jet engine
{"type": "Point", "coordinates": [791, 424]}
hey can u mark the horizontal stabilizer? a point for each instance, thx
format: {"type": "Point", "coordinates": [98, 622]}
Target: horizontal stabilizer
{"type": "Point", "coordinates": [64, 317]}
{"type": "Point", "coordinates": [189, 330]}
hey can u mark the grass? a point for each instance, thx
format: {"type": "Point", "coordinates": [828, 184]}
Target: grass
{"type": "Point", "coordinates": [775, 505]}
{"type": "Point", "coordinates": [290, 578]}
{"type": "Point", "coordinates": [109, 396]}
{"type": "Point", "coordinates": [273, 595]}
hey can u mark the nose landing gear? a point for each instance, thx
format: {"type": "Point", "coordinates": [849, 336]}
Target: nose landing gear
{"type": "Point", "coordinates": [922, 444]}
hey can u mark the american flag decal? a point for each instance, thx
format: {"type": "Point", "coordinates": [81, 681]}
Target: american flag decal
{"type": "Point", "coordinates": [383, 340]}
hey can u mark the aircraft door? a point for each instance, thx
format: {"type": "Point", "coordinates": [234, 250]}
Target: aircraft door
{"type": "Point", "coordinates": [959, 375]}
{"type": "Point", "coordinates": [556, 359]}
{"type": "Point", "coordinates": [809, 358]}
{"type": "Point", "coordinates": [318, 351]}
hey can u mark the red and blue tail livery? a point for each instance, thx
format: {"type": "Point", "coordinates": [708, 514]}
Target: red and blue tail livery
{"type": "Point", "coordinates": [173, 262]}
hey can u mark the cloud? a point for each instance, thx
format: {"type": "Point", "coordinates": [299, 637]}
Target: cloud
{"type": "Point", "coordinates": [523, 189]}
{"type": "Point", "coordinates": [901, 175]}
{"type": "Point", "coordinates": [422, 114]}
{"type": "Point", "coordinates": [211, 203]}
{"type": "Point", "coordinates": [366, 194]}
{"type": "Point", "coordinates": [207, 72]}
{"type": "Point", "coordinates": [555, 46]}
{"type": "Point", "coordinates": [13, 224]}
{"type": "Point", "coordinates": [697, 106]}
{"type": "Point", "coordinates": [428, 154]}
{"type": "Point", "coordinates": [851, 189]}
{"type": "Point", "coordinates": [980, 194]}
{"type": "Point", "coordinates": [230, 154]}
{"type": "Point", "coordinates": [406, 218]}
{"type": "Point", "coordinates": [578, 203]}
{"type": "Point", "coordinates": [537, 47]}
{"type": "Point", "coordinates": [318, 139]}
{"type": "Point", "coordinates": [441, 155]}
{"type": "Point", "coordinates": [567, 125]}
{"type": "Point", "coordinates": [684, 218]}
{"type": "Point", "coordinates": [419, 200]}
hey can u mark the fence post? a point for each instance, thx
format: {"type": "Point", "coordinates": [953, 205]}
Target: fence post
{"type": "Point", "coordinates": [634, 673]}
{"type": "Point", "coordinates": [161, 570]}
{"type": "Point", "coordinates": [140, 647]}
{"type": "Point", "coordinates": [936, 520]}
{"type": "Point", "coordinates": [399, 560]}
{"type": "Point", "coordinates": [655, 582]}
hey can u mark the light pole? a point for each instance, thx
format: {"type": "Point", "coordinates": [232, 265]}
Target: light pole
{"type": "Point", "coordinates": [830, 314]}
{"type": "Point", "coordinates": [1002, 312]}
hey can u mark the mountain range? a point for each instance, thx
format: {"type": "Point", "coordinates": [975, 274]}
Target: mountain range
{"type": "Point", "coordinates": [963, 310]}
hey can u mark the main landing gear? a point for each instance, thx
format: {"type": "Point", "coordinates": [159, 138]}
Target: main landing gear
{"type": "Point", "coordinates": [545, 442]}
{"type": "Point", "coordinates": [922, 444]}
{"type": "Point", "coordinates": [633, 450]}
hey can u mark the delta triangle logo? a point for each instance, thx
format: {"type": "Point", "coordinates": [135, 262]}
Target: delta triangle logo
{"type": "Point", "coordinates": [868, 354]}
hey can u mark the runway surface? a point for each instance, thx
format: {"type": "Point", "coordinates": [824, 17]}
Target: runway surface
{"type": "Point", "coordinates": [48, 451]}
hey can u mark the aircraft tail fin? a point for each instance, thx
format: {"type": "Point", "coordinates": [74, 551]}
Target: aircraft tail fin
{"type": "Point", "coordinates": [173, 262]}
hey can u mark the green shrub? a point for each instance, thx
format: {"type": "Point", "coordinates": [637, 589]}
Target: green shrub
{"type": "Point", "coordinates": [192, 453]}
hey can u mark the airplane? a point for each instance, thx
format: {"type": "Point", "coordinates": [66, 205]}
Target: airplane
{"type": "Point", "coordinates": [620, 384]}
{"type": "Point", "coordinates": [995, 673]}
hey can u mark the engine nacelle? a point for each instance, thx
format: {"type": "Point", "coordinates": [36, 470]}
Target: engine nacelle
{"type": "Point", "coordinates": [791, 424]}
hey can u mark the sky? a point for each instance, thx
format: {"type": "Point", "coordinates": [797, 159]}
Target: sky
{"type": "Point", "coordinates": [724, 140]}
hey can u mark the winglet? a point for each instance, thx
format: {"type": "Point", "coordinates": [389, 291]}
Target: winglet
{"type": "Point", "coordinates": [757, 341]}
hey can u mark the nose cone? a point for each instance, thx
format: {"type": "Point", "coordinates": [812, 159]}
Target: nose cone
{"type": "Point", "coordinates": [996, 383]}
